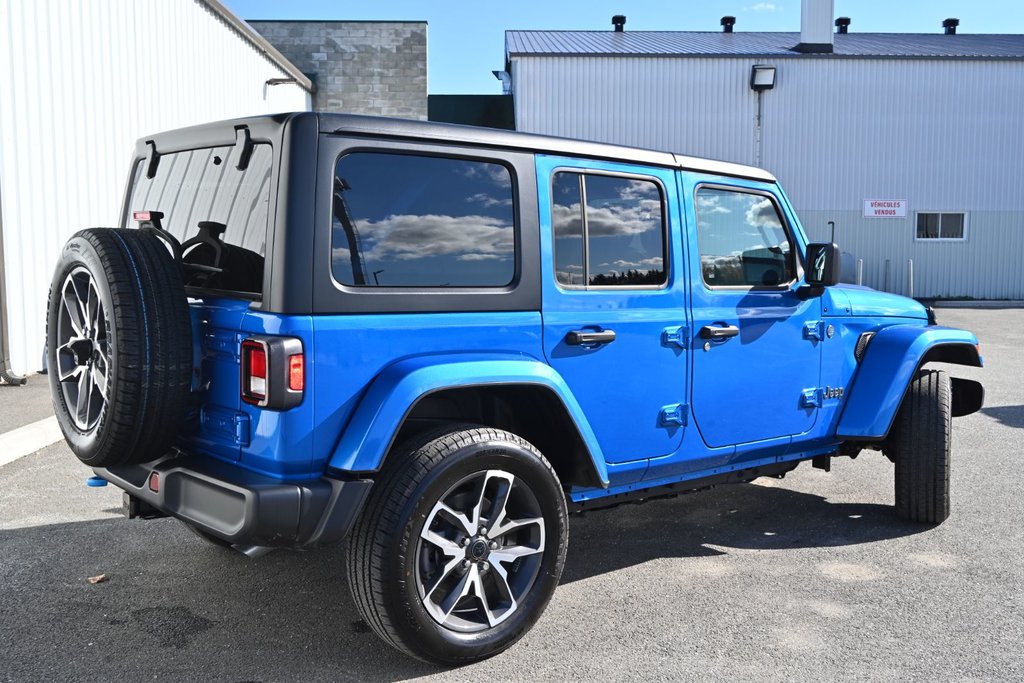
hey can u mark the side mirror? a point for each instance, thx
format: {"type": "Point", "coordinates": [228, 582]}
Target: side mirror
{"type": "Point", "coordinates": [822, 264]}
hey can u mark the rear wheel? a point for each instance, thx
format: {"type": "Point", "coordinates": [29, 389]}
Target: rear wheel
{"type": "Point", "coordinates": [920, 447]}
{"type": "Point", "coordinates": [460, 546]}
{"type": "Point", "coordinates": [119, 346]}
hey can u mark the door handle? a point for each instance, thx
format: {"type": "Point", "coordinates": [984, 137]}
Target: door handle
{"type": "Point", "coordinates": [587, 337]}
{"type": "Point", "coordinates": [718, 331]}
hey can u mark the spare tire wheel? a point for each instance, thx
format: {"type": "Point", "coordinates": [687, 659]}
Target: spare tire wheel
{"type": "Point", "coordinates": [119, 346]}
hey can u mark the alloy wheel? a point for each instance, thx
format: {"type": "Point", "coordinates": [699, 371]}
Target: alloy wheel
{"type": "Point", "coordinates": [83, 350]}
{"type": "Point", "coordinates": [480, 551]}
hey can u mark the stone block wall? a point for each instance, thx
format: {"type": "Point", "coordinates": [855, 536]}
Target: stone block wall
{"type": "Point", "coordinates": [371, 67]}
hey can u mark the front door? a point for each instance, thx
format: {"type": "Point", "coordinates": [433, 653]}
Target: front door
{"type": "Point", "coordinates": [614, 304]}
{"type": "Point", "coordinates": [756, 355]}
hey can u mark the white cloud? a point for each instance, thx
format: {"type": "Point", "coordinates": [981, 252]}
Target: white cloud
{"type": "Point", "coordinates": [762, 214]}
{"type": "Point", "coordinates": [639, 189]}
{"type": "Point", "coordinates": [495, 173]}
{"type": "Point", "coordinates": [607, 221]}
{"type": "Point", "coordinates": [488, 200]}
{"type": "Point", "coordinates": [409, 237]}
{"type": "Point", "coordinates": [711, 203]}
{"type": "Point", "coordinates": [764, 7]}
{"type": "Point", "coordinates": [653, 262]}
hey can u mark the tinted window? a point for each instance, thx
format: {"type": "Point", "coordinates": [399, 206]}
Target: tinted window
{"type": "Point", "coordinates": [567, 225]}
{"type": "Point", "coordinates": [621, 231]}
{"type": "Point", "coordinates": [742, 239]}
{"type": "Point", "coordinates": [418, 221]}
{"type": "Point", "coordinates": [205, 185]}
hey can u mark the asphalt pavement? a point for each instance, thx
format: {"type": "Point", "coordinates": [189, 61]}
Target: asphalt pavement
{"type": "Point", "coordinates": [25, 404]}
{"type": "Point", "coordinates": [807, 578]}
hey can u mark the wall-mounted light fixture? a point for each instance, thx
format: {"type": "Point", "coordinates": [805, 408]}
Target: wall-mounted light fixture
{"type": "Point", "coordinates": [762, 77]}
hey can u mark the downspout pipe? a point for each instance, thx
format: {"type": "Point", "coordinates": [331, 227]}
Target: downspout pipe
{"type": "Point", "coordinates": [7, 377]}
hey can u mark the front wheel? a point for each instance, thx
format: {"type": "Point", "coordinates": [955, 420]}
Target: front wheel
{"type": "Point", "coordinates": [920, 447]}
{"type": "Point", "coordinates": [461, 545]}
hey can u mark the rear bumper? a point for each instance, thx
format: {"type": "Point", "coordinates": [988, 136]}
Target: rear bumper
{"type": "Point", "coordinates": [244, 508]}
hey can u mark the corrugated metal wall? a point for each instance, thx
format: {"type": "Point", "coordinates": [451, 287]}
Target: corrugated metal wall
{"type": "Point", "coordinates": [81, 82]}
{"type": "Point", "coordinates": [945, 135]}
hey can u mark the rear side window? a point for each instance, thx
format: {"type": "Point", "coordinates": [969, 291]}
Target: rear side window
{"type": "Point", "coordinates": [205, 185]}
{"type": "Point", "coordinates": [609, 231]}
{"type": "Point", "coordinates": [403, 220]}
{"type": "Point", "coordinates": [742, 239]}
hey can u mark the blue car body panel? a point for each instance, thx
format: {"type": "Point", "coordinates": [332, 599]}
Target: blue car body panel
{"type": "Point", "coordinates": [395, 390]}
{"type": "Point", "coordinates": [892, 357]}
{"type": "Point", "coordinates": [748, 388]}
{"type": "Point", "coordinates": [630, 381]}
{"type": "Point", "coordinates": [786, 388]}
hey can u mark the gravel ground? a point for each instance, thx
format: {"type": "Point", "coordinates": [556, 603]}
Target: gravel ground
{"type": "Point", "coordinates": [808, 578]}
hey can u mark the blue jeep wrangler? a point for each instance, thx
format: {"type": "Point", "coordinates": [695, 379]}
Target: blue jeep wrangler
{"type": "Point", "coordinates": [436, 341]}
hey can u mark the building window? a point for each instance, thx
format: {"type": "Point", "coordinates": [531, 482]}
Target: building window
{"type": "Point", "coordinates": [743, 240]}
{"type": "Point", "coordinates": [609, 231]}
{"type": "Point", "coordinates": [941, 226]}
{"type": "Point", "coordinates": [403, 220]}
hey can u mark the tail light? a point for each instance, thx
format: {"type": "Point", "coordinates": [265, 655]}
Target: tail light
{"type": "Point", "coordinates": [254, 372]}
{"type": "Point", "coordinates": [273, 372]}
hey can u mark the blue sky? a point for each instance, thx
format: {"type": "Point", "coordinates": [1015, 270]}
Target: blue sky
{"type": "Point", "coordinates": [466, 40]}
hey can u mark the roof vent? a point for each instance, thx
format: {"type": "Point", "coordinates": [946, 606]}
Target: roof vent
{"type": "Point", "coordinates": [727, 24]}
{"type": "Point", "coordinates": [843, 25]}
{"type": "Point", "coordinates": [619, 22]}
{"type": "Point", "coordinates": [950, 26]}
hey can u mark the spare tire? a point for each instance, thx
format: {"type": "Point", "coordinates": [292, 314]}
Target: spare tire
{"type": "Point", "coordinates": [119, 346]}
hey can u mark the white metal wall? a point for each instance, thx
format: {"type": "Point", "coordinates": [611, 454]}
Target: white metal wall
{"type": "Point", "coordinates": [81, 81]}
{"type": "Point", "coordinates": [945, 135]}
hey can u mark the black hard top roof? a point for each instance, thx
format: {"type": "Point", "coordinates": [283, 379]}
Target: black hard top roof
{"type": "Point", "coordinates": [271, 125]}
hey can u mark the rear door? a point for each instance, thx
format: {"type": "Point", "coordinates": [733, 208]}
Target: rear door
{"type": "Point", "coordinates": [756, 351]}
{"type": "Point", "coordinates": [613, 303]}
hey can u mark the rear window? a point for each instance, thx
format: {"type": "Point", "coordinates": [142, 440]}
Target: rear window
{"type": "Point", "coordinates": [403, 220]}
{"type": "Point", "coordinates": [201, 185]}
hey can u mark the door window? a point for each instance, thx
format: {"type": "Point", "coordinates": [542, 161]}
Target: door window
{"type": "Point", "coordinates": [742, 239]}
{"type": "Point", "coordinates": [609, 231]}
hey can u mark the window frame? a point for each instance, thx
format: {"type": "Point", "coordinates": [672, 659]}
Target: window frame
{"type": "Point", "coordinates": [517, 256]}
{"type": "Point", "coordinates": [967, 222]}
{"type": "Point", "coordinates": [795, 252]}
{"type": "Point", "coordinates": [581, 172]}
{"type": "Point", "coordinates": [329, 298]}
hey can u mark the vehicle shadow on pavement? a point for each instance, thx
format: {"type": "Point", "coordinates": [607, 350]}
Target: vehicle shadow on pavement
{"type": "Point", "coordinates": [175, 606]}
{"type": "Point", "coordinates": [743, 516]}
{"type": "Point", "coordinates": [1011, 416]}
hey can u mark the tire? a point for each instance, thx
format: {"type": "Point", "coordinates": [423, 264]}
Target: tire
{"type": "Point", "coordinates": [397, 577]}
{"type": "Point", "coordinates": [920, 448]}
{"type": "Point", "coordinates": [131, 360]}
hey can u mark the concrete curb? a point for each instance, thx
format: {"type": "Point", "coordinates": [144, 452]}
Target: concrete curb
{"type": "Point", "coordinates": [26, 440]}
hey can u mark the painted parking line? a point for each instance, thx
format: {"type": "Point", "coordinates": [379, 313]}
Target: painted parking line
{"type": "Point", "coordinates": [22, 441]}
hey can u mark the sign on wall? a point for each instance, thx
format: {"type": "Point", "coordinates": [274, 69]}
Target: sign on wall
{"type": "Point", "coordinates": [885, 208]}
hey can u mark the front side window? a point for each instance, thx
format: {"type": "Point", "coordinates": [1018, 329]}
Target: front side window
{"type": "Point", "coordinates": [608, 231]}
{"type": "Point", "coordinates": [940, 226]}
{"type": "Point", "coordinates": [742, 240]}
{"type": "Point", "coordinates": [402, 220]}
